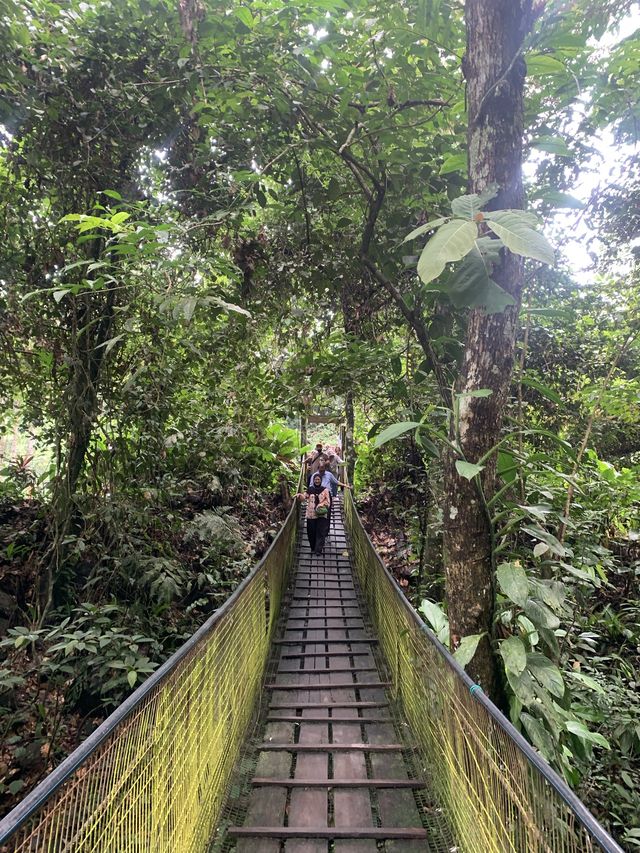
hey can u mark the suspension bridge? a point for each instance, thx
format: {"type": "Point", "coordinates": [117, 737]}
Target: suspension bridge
{"type": "Point", "coordinates": [313, 712]}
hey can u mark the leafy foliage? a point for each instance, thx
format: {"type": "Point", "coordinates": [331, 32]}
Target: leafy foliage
{"type": "Point", "coordinates": [203, 207]}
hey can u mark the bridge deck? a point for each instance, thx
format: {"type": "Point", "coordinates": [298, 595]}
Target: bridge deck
{"type": "Point", "coordinates": [333, 771]}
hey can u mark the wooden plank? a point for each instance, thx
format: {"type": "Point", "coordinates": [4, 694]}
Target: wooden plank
{"type": "Point", "coordinates": [335, 747]}
{"type": "Point", "coordinates": [394, 808]}
{"type": "Point", "coordinates": [295, 704]}
{"type": "Point", "coordinates": [335, 782]}
{"type": "Point", "coordinates": [399, 808]}
{"type": "Point", "coordinates": [318, 604]}
{"type": "Point", "coordinates": [313, 599]}
{"type": "Point", "coordinates": [352, 805]}
{"type": "Point", "coordinates": [263, 809]}
{"type": "Point", "coordinates": [309, 806]}
{"type": "Point", "coordinates": [344, 670]}
{"type": "Point", "coordinates": [333, 719]}
{"type": "Point", "coordinates": [324, 654]}
{"type": "Point", "coordinates": [326, 832]}
{"type": "Point", "coordinates": [291, 641]}
{"type": "Point", "coordinates": [267, 805]}
{"type": "Point", "coordinates": [327, 685]}
{"type": "Point", "coordinates": [329, 617]}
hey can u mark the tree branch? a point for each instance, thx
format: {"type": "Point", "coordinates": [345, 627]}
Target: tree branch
{"type": "Point", "coordinates": [307, 220]}
{"type": "Point", "coordinates": [417, 325]}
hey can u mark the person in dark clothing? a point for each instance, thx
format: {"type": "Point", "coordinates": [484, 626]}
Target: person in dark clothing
{"type": "Point", "coordinates": [318, 505]}
{"type": "Point", "coordinates": [328, 481]}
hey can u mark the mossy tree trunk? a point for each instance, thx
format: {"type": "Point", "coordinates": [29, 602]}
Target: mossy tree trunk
{"type": "Point", "coordinates": [495, 73]}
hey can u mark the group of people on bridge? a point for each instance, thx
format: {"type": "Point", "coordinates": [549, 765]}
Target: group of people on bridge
{"type": "Point", "coordinates": [322, 471]}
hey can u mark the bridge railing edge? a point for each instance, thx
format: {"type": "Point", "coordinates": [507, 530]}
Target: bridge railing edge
{"type": "Point", "coordinates": [42, 793]}
{"type": "Point", "coordinates": [573, 802]}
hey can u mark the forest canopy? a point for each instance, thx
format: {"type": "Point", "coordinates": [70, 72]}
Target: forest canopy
{"type": "Point", "coordinates": [222, 218]}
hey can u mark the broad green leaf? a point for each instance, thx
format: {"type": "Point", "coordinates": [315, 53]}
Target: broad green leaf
{"type": "Point", "coordinates": [120, 217]}
{"type": "Point", "coordinates": [538, 735]}
{"type": "Point", "coordinates": [558, 198]}
{"type": "Point", "coordinates": [519, 237]}
{"type": "Point", "coordinates": [188, 307]}
{"type": "Point", "coordinates": [466, 206]}
{"type": "Point", "coordinates": [468, 470]}
{"type": "Point", "coordinates": [109, 345]}
{"type": "Point", "coordinates": [507, 466]}
{"type": "Point", "coordinates": [550, 640]}
{"type": "Point", "coordinates": [544, 536]}
{"type": "Point", "coordinates": [14, 787]}
{"type": "Point", "coordinates": [529, 630]}
{"type": "Point", "coordinates": [132, 677]}
{"type": "Point", "coordinates": [228, 306]}
{"type": "Point", "coordinates": [540, 549]}
{"type": "Point", "coordinates": [394, 431]}
{"type": "Point", "coordinates": [553, 593]}
{"type": "Point", "coordinates": [546, 672]}
{"type": "Point", "coordinates": [429, 226]}
{"type": "Point", "coordinates": [514, 654]}
{"type": "Point", "coordinates": [527, 217]}
{"type": "Point", "coordinates": [427, 445]}
{"type": "Point", "coordinates": [547, 392]}
{"type": "Point", "coordinates": [451, 242]}
{"type": "Point", "coordinates": [579, 729]}
{"type": "Point", "coordinates": [472, 286]}
{"type": "Point", "coordinates": [522, 685]}
{"type": "Point", "coordinates": [467, 649]}
{"type": "Point", "coordinates": [540, 614]}
{"type": "Point", "coordinates": [243, 14]}
{"type": "Point", "coordinates": [552, 144]}
{"type": "Point", "coordinates": [540, 511]}
{"type": "Point", "coordinates": [513, 582]}
{"type": "Point", "coordinates": [454, 163]}
{"type": "Point", "coordinates": [541, 64]}
{"type": "Point", "coordinates": [112, 194]}
{"type": "Point", "coordinates": [588, 681]}
{"type": "Point", "coordinates": [437, 619]}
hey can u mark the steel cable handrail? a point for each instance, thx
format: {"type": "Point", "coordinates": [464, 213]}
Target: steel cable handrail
{"type": "Point", "coordinates": [472, 753]}
{"type": "Point", "coordinates": [153, 775]}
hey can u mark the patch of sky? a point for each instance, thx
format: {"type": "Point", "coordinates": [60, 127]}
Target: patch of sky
{"type": "Point", "coordinates": [605, 167]}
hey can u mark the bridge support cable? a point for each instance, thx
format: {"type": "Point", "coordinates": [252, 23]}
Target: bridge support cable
{"type": "Point", "coordinates": [498, 793]}
{"type": "Point", "coordinates": [153, 777]}
{"type": "Point", "coordinates": [372, 737]}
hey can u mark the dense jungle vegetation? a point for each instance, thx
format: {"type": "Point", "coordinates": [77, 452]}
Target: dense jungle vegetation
{"type": "Point", "coordinates": [221, 217]}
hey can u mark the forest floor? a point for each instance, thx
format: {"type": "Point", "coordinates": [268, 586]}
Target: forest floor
{"type": "Point", "coordinates": [386, 524]}
{"type": "Point", "coordinates": [39, 723]}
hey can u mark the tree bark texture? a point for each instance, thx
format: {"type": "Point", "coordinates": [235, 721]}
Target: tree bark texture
{"type": "Point", "coordinates": [495, 72]}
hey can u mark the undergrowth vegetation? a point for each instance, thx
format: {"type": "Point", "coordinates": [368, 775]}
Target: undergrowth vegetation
{"type": "Point", "coordinates": [221, 218]}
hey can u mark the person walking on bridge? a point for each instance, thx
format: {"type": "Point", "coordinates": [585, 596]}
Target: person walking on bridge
{"type": "Point", "coordinates": [317, 515]}
{"type": "Point", "coordinates": [330, 482]}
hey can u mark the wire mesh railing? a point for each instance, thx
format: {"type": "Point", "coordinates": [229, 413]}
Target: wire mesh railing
{"type": "Point", "coordinates": [498, 794]}
{"type": "Point", "coordinates": [154, 775]}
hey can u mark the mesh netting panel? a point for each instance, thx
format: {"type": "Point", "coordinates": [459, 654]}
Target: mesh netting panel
{"type": "Point", "coordinates": [495, 799]}
{"type": "Point", "coordinates": [158, 780]}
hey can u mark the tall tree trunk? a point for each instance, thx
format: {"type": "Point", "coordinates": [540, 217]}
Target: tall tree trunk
{"type": "Point", "coordinates": [352, 297]}
{"type": "Point", "coordinates": [349, 447]}
{"type": "Point", "coordinates": [90, 333]}
{"type": "Point", "coordinates": [495, 73]}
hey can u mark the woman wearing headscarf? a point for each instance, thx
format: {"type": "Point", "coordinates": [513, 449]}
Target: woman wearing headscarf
{"type": "Point", "coordinates": [318, 505]}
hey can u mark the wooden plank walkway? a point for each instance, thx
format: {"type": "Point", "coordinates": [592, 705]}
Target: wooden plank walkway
{"type": "Point", "coordinates": [331, 774]}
